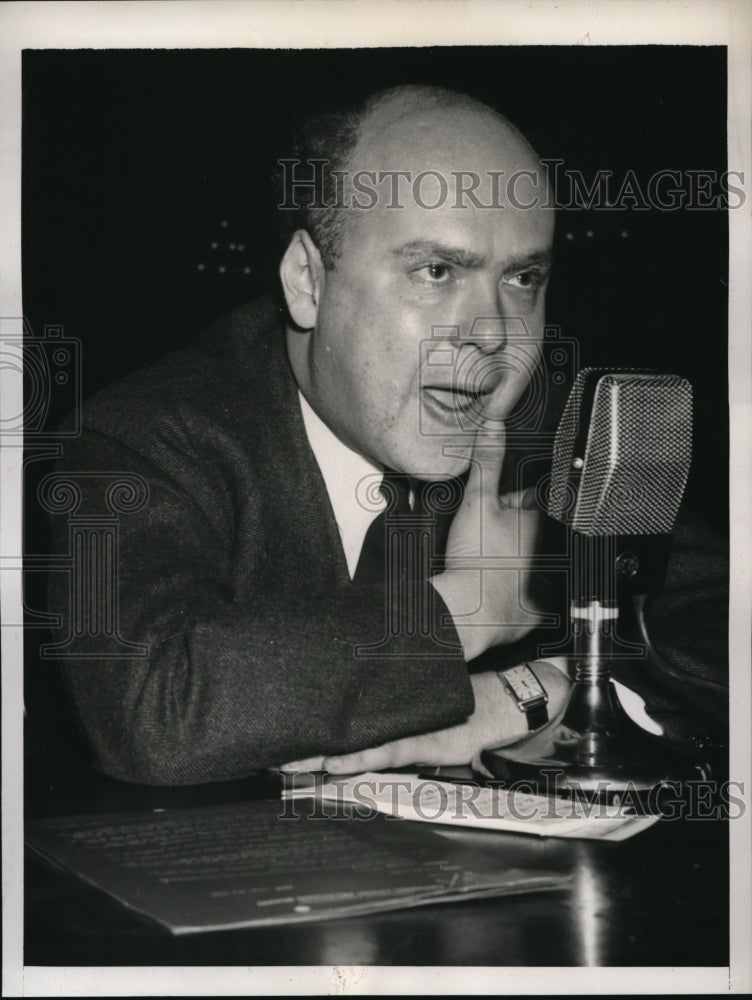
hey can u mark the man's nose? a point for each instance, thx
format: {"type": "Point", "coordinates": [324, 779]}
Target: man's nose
{"type": "Point", "coordinates": [483, 323]}
{"type": "Point", "coordinates": [489, 333]}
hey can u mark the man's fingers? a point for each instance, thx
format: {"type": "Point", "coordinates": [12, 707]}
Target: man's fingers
{"type": "Point", "coordinates": [486, 461]}
{"type": "Point", "coordinates": [309, 764]}
{"type": "Point", "coordinates": [395, 754]}
{"type": "Point", "coordinates": [424, 748]}
{"type": "Point", "coordinates": [521, 500]}
{"type": "Point", "coordinates": [373, 759]}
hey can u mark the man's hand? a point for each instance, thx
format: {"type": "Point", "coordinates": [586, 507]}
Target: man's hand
{"type": "Point", "coordinates": [495, 722]}
{"type": "Point", "coordinates": [489, 606]}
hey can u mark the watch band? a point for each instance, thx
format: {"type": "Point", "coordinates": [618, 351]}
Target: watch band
{"type": "Point", "coordinates": [534, 708]}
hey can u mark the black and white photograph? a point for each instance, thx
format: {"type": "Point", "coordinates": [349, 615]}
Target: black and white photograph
{"type": "Point", "coordinates": [376, 488]}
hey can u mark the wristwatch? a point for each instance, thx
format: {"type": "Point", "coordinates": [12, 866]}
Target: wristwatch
{"type": "Point", "coordinates": [528, 692]}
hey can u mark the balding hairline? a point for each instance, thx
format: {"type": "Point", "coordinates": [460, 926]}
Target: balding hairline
{"type": "Point", "coordinates": [412, 98]}
{"type": "Point", "coordinates": [336, 137]}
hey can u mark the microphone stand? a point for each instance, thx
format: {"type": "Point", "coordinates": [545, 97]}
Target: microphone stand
{"type": "Point", "coordinates": [595, 749]}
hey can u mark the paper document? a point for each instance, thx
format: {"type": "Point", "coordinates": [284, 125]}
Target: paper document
{"type": "Point", "coordinates": [272, 862]}
{"type": "Point", "coordinates": [430, 800]}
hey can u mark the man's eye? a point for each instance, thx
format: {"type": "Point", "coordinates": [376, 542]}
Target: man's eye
{"type": "Point", "coordinates": [435, 273]}
{"type": "Point", "coordinates": [527, 279]}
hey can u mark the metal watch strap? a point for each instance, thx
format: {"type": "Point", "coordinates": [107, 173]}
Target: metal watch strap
{"type": "Point", "coordinates": [535, 710]}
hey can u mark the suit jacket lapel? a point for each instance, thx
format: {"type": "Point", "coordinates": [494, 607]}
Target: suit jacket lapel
{"type": "Point", "coordinates": [297, 502]}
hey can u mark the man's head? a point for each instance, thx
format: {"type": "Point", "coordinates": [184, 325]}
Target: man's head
{"type": "Point", "coordinates": [416, 296]}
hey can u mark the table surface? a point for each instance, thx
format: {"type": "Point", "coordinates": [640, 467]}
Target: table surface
{"type": "Point", "coordinates": [659, 899]}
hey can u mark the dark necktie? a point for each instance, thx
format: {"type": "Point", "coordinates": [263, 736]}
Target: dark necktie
{"type": "Point", "coordinates": [405, 542]}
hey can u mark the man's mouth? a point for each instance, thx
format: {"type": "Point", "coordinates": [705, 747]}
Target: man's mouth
{"type": "Point", "coordinates": [447, 403]}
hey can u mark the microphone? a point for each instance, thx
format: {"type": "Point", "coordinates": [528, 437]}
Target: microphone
{"type": "Point", "coordinates": [622, 452]}
{"type": "Point", "coordinates": [622, 455]}
{"type": "Point", "coordinates": [621, 459]}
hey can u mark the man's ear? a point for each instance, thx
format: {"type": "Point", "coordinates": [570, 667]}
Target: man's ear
{"type": "Point", "coordinates": [302, 274]}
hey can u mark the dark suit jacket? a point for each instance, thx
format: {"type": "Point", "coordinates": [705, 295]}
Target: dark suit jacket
{"type": "Point", "coordinates": [233, 576]}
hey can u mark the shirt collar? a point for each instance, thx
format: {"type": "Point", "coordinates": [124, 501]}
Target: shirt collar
{"type": "Point", "coordinates": [347, 476]}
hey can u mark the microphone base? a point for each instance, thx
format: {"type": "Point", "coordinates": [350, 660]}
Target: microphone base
{"type": "Point", "coordinates": [595, 750]}
{"type": "Point", "coordinates": [598, 763]}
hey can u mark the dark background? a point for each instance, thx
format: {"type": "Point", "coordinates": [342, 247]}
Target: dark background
{"type": "Point", "coordinates": [133, 160]}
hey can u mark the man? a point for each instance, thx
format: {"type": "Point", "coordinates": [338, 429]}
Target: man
{"type": "Point", "coordinates": [257, 643]}
{"type": "Point", "coordinates": [403, 267]}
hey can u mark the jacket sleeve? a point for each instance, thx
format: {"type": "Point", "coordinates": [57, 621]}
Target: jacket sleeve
{"type": "Point", "coordinates": [228, 679]}
{"type": "Point", "coordinates": [686, 684]}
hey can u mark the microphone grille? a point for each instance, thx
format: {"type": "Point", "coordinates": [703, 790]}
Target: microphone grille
{"type": "Point", "coordinates": [625, 471]}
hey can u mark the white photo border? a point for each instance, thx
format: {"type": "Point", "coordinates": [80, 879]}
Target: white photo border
{"type": "Point", "coordinates": [370, 23]}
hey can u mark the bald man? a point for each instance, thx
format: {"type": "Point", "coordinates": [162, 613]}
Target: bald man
{"type": "Point", "coordinates": [258, 644]}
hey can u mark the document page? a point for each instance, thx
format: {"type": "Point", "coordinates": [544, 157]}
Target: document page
{"type": "Point", "coordinates": [260, 863]}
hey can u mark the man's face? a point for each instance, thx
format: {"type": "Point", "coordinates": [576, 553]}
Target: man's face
{"type": "Point", "coordinates": [431, 317]}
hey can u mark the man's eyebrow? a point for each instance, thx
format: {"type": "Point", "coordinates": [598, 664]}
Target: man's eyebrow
{"type": "Point", "coordinates": [417, 249]}
{"type": "Point", "coordinates": [538, 258]}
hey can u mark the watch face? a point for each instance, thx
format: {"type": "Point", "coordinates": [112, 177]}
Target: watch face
{"type": "Point", "coordinates": [524, 683]}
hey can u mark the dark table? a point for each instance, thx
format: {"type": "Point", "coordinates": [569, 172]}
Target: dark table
{"type": "Point", "coordinates": [659, 899]}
